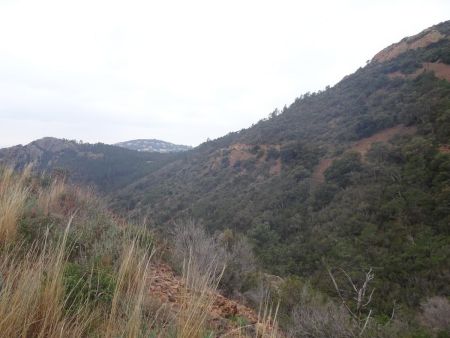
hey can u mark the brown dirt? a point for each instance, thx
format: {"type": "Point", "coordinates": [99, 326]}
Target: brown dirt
{"type": "Point", "coordinates": [276, 168]}
{"type": "Point", "coordinates": [242, 152]}
{"type": "Point", "coordinates": [362, 146]}
{"type": "Point", "coordinates": [397, 74]}
{"type": "Point", "coordinates": [168, 289]}
{"type": "Point", "coordinates": [215, 161]}
{"type": "Point", "coordinates": [444, 149]}
{"type": "Point", "coordinates": [91, 156]}
{"type": "Point", "coordinates": [441, 70]}
{"type": "Point", "coordinates": [239, 152]}
{"type": "Point", "coordinates": [410, 43]}
{"type": "Point", "coordinates": [318, 173]}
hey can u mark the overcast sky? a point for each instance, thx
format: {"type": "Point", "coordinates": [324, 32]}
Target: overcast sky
{"type": "Point", "coordinates": [180, 71]}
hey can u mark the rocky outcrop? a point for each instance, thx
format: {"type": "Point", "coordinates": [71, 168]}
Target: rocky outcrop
{"type": "Point", "coordinates": [421, 40]}
{"type": "Point", "coordinates": [168, 288]}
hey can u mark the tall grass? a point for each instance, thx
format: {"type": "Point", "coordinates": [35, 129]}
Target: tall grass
{"type": "Point", "coordinates": [267, 325]}
{"type": "Point", "coordinates": [200, 285]}
{"type": "Point", "coordinates": [48, 285]}
{"type": "Point", "coordinates": [125, 317]}
{"type": "Point", "coordinates": [35, 300]}
{"type": "Point", "coordinates": [13, 195]}
{"type": "Point", "coordinates": [48, 198]}
{"type": "Point", "coordinates": [32, 296]}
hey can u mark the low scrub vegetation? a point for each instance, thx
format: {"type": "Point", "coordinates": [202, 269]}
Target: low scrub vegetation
{"type": "Point", "coordinates": [53, 284]}
{"type": "Point", "coordinates": [70, 268]}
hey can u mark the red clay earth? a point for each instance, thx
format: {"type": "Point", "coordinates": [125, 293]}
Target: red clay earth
{"type": "Point", "coordinates": [168, 289]}
{"type": "Point", "coordinates": [362, 146]}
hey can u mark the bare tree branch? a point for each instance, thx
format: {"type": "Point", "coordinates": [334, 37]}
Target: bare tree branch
{"type": "Point", "coordinates": [340, 294]}
{"type": "Point", "coordinates": [362, 298]}
{"type": "Point", "coordinates": [365, 323]}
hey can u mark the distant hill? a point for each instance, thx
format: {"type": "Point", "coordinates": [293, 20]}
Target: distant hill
{"type": "Point", "coordinates": [152, 145]}
{"type": "Point", "coordinates": [105, 166]}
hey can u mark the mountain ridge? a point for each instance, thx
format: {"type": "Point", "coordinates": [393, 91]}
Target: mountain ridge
{"type": "Point", "coordinates": [104, 166]}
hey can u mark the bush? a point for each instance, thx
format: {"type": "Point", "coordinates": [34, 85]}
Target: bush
{"type": "Point", "coordinates": [223, 250]}
{"type": "Point", "coordinates": [436, 314]}
{"type": "Point", "coordinates": [83, 284]}
{"type": "Point", "coordinates": [341, 170]}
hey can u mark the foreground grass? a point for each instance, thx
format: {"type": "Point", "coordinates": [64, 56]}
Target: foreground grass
{"type": "Point", "coordinates": [86, 276]}
{"type": "Point", "coordinates": [69, 268]}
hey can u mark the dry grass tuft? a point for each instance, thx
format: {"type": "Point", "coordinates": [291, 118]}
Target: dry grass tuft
{"type": "Point", "coordinates": [13, 195]}
{"type": "Point", "coordinates": [32, 297]}
{"type": "Point", "coordinates": [267, 325]}
{"type": "Point", "coordinates": [48, 199]}
{"type": "Point", "coordinates": [126, 315]}
{"type": "Point", "coordinates": [201, 284]}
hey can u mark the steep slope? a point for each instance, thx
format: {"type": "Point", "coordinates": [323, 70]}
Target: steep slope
{"type": "Point", "coordinates": [71, 268]}
{"type": "Point", "coordinates": [157, 146]}
{"type": "Point", "coordinates": [104, 166]}
{"type": "Point", "coordinates": [382, 198]}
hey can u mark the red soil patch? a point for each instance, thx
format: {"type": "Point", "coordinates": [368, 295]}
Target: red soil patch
{"type": "Point", "coordinates": [239, 152]}
{"type": "Point", "coordinates": [215, 162]}
{"type": "Point", "coordinates": [444, 149]}
{"type": "Point", "coordinates": [276, 168]}
{"type": "Point", "coordinates": [362, 146]}
{"type": "Point", "coordinates": [440, 70]}
{"type": "Point", "coordinates": [318, 173]}
{"type": "Point", "coordinates": [408, 44]}
{"type": "Point", "coordinates": [397, 74]}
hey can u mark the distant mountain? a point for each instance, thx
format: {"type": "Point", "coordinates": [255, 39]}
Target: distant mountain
{"type": "Point", "coordinates": [152, 145]}
{"type": "Point", "coordinates": [105, 166]}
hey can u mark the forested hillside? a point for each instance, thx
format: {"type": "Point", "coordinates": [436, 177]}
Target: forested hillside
{"type": "Point", "coordinates": [354, 176]}
{"type": "Point", "coordinates": [104, 166]}
{"type": "Point", "coordinates": [351, 179]}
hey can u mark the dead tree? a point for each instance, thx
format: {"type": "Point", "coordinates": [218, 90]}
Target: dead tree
{"type": "Point", "coordinates": [357, 304]}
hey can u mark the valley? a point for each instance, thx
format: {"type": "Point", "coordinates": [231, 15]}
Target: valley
{"type": "Point", "coordinates": [344, 186]}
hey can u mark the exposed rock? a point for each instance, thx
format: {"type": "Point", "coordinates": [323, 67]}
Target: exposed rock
{"type": "Point", "coordinates": [440, 70]}
{"type": "Point", "coordinates": [169, 288]}
{"type": "Point", "coordinates": [240, 152]}
{"type": "Point", "coordinates": [421, 40]}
